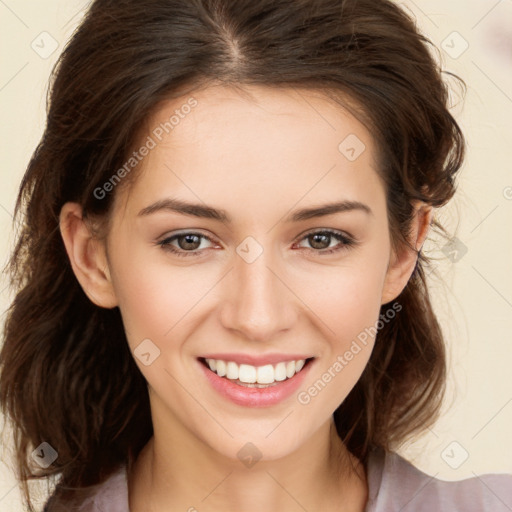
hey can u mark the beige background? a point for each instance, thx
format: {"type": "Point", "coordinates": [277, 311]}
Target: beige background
{"type": "Point", "coordinates": [474, 303]}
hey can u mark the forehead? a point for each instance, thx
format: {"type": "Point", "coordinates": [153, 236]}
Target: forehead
{"type": "Point", "coordinates": [258, 144]}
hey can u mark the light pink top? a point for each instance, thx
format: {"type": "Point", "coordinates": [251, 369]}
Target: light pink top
{"type": "Point", "coordinates": [394, 485]}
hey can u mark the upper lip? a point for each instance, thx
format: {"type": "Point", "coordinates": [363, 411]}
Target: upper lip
{"type": "Point", "coordinates": [259, 360]}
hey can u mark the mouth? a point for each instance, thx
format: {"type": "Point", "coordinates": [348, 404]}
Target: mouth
{"type": "Point", "coordinates": [255, 386]}
{"type": "Point", "coordinates": [256, 376]}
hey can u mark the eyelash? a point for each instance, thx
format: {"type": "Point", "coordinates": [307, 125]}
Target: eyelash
{"type": "Point", "coordinates": [346, 242]}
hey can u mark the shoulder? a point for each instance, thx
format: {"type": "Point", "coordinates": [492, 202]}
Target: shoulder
{"type": "Point", "coordinates": [396, 485]}
{"type": "Point", "coordinates": [111, 495]}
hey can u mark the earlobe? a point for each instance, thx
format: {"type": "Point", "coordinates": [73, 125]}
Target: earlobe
{"type": "Point", "coordinates": [87, 256]}
{"type": "Point", "coordinates": [402, 265]}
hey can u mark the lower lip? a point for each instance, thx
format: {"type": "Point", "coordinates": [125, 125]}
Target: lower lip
{"type": "Point", "coordinates": [255, 397]}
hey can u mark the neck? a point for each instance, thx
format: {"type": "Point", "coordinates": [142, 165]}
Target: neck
{"type": "Point", "coordinates": [179, 472]}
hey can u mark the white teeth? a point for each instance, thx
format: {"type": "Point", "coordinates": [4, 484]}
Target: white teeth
{"type": "Point", "coordinates": [290, 369]}
{"type": "Point", "coordinates": [280, 371]}
{"type": "Point", "coordinates": [232, 371]}
{"type": "Point", "coordinates": [248, 374]}
{"type": "Point", "coordinates": [265, 374]}
{"type": "Point", "coordinates": [221, 367]}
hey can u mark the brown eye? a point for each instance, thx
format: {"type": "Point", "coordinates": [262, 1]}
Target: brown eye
{"type": "Point", "coordinates": [320, 241]}
{"type": "Point", "coordinates": [184, 244]}
{"type": "Point", "coordinates": [189, 242]}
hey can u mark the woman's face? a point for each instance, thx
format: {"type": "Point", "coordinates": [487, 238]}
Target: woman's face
{"type": "Point", "coordinates": [212, 254]}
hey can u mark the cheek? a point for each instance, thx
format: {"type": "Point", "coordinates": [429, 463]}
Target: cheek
{"type": "Point", "coordinates": [349, 302]}
{"type": "Point", "coordinates": [346, 298]}
{"type": "Point", "coordinates": [155, 296]}
{"type": "Point", "coordinates": [348, 306]}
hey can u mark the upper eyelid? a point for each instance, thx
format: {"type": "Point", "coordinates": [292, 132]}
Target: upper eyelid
{"type": "Point", "coordinates": [183, 233]}
{"type": "Point", "coordinates": [325, 230]}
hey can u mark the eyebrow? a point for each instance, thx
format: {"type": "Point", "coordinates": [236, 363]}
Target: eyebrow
{"type": "Point", "coordinates": [209, 212]}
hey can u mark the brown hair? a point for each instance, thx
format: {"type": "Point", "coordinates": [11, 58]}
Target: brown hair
{"type": "Point", "coordinates": [67, 375]}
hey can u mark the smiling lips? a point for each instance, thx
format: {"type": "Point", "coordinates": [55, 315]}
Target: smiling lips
{"type": "Point", "coordinates": [255, 381]}
{"type": "Point", "coordinates": [246, 374]}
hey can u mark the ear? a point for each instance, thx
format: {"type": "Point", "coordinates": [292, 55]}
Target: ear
{"type": "Point", "coordinates": [87, 256]}
{"type": "Point", "coordinates": [401, 266]}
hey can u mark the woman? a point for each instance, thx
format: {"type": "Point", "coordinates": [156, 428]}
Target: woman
{"type": "Point", "coordinates": [220, 286]}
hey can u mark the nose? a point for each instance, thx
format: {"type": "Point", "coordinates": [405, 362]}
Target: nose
{"type": "Point", "coordinates": [258, 304]}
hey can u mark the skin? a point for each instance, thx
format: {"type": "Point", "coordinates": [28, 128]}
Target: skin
{"type": "Point", "coordinates": [258, 159]}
